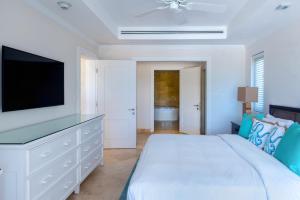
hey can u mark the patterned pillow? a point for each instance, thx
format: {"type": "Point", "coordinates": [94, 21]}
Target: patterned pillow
{"type": "Point", "coordinates": [274, 138]}
{"type": "Point", "coordinates": [259, 132]}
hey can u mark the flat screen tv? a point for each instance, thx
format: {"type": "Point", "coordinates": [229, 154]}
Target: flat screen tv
{"type": "Point", "coordinates": [30, 81]}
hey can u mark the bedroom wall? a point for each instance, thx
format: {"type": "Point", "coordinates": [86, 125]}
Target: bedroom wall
{"type": "Point", "coordinates": [26, 29]}
{"type": "Point", "coordinates": [282, 66]}
{"type": "Point", "coordinates": [227, 66]}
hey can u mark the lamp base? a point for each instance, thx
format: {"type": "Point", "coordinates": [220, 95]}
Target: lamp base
{"type": "Point", "coordinates": [247, 108]}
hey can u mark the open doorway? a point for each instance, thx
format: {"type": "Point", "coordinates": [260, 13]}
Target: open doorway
{"type": "Point", "coordinates": [166, 101]}
{"type": "Point", "coordinates": [186, 114]}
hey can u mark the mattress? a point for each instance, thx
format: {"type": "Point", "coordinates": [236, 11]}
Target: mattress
{"type": "Point", "coordinates": [220, 167]}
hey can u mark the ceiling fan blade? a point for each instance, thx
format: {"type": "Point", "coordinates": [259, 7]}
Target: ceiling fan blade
{"type": "Point", "coordinates": [164, 1]}
{"type": "Point", "coordinates": [206, 7]}
{"type": "Point", "coordinates": [151, 11]}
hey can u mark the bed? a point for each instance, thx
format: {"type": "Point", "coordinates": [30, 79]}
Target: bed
{"type": "Point", "coordinates": [219, 167]}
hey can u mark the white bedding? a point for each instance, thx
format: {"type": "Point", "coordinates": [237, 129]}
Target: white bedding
{"type": "Point", "coordinates": [224, 167]}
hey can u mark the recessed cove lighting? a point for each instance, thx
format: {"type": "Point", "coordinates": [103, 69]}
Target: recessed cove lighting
{"type": "Point", "coordinates": [283, 6]}
{"type": "Point", "coordinates": [64, 5]}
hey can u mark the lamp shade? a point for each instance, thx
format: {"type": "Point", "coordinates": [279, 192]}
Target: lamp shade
{"type": "Point", "coordinates": [248, 94]}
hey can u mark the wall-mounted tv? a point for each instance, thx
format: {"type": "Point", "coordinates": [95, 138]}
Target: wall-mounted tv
{"type": "Point", "coordinates": [30, 81]}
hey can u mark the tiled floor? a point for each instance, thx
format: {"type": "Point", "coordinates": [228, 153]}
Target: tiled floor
{"type": "Point", "coordinates": [107, 182]}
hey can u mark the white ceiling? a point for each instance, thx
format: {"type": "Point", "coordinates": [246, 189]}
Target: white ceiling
{"type": "Point", "coordinates": [99, 20]}
{"type": "Point", "coordinates": [126, 11]}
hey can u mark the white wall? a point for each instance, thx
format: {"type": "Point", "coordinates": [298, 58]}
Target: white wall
{"type": "Point", "coordinates": [24, 28]}
{"type": "Point", "coordinates": [144, 91]}
{"type": "Point", "coordinates": [282, 66]}
{"type": "Point", "coordinates": [227, 67]}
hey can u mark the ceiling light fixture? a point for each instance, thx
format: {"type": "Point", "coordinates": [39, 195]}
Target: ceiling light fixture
{"type": "Point", "coordinates": [283, 6]}
{"type": "Point", "coordinates": [174, 5]}
{"type": "Point", "coordinates": [64, 5]}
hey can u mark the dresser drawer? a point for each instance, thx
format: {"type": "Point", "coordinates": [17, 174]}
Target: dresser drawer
{"type": "Point", "coordinates": [90, 128]}
{"type": "Point", "coordinates": [88, 164]}
{"type": "Point", "coordinates": [63, 188]}
{"type": "Point", "coordinates": [42, 179]}
{"type": "Point", "coordinates": [90, 145]}
{"type": "Point", "coordinates": [48, 151]}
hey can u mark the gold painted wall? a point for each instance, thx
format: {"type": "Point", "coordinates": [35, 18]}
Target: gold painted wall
{"type": "Point", "coordinates": [166, 84]}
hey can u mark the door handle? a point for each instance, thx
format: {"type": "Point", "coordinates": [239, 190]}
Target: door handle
{"type": "Point", "coordinates": [132, 110]}
{"type": "Point", "coordinates": [197, 106]}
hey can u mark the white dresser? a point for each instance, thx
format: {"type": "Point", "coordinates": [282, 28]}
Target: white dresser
{"type": "Point", "coordinates": [49, 160]}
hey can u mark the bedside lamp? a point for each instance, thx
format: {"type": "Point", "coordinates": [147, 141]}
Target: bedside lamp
{"type": "Point", "coordinates": [247, 95]}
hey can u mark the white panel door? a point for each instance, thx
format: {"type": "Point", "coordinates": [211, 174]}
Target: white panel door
{"type": "Point", "coordinates": [190, 100]}
{"type": "Point", "coordinates": [119, 103]}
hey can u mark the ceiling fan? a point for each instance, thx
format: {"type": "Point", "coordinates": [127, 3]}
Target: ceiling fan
{"type": "Point", "coordinates": [185, 5]}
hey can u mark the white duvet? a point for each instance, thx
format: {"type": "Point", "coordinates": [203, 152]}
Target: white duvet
{"type": "Point", "coordinates": [224, 167]}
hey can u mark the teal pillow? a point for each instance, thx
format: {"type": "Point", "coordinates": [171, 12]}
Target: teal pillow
{"type": "Point", "coordinates": [288, 150]}
{"type": "Point", "coordinates": [246, 124]}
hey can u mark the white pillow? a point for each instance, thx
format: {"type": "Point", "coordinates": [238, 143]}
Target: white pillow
{"type": "Point", "coordinates": [285, 123]}
{"type": "Point", "coordinates": [274, 138]}
{"type": "Point", "coordinates": [270, 116]}
{"type": "Point", "coordinates": [259, 132]}
{"type": "Point", "coordinates": [281, 122]}
{"type": "Point", "coordinates": [270, 120]}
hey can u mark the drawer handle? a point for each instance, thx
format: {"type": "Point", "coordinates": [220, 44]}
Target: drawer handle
{"type": "Point", "coordinates": [46, 180]}
{"type": "Point", "coordinates": [88, 166]}
{"type": "Point", "coordinates": [68, 185]}
{"type": "Point", "coordinates": [68, 163]}
{"type": "Point", "coordinates": [67, 143]}
{"type": "Point", "coordinates": [86, 132]}
{"type": "Point", "coordinates": [86, 149]}
{"type": "Point", "coordinates": [45, 154]}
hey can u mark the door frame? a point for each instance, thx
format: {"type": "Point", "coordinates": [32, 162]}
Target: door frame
{"type": "Point", "coordinates": [203, 100]}
{"type": "Point", "coordinates": [152, 85]}
{"type": "Point", "coordinates": [208, 109]}
{"type": "Point", "coordinates": [89, 55]}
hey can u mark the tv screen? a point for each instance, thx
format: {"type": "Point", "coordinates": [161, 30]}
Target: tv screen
{"type": "Point", "coordinates": [30, 81]}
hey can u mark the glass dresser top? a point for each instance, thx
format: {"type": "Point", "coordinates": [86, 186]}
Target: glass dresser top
{"type": "Point", "coordinates": [33, 132]}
